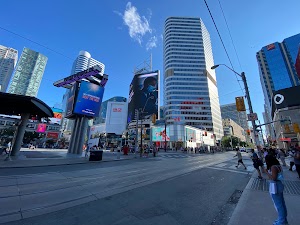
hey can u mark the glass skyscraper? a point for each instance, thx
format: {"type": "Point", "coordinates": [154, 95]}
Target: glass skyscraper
{"type": "Point", "coordinates": [8, 61]}
{"type": "Point", "coordinates": [28, 74]}
{"type": "Point", "coordinates": [276, 63]}
{"type": "Point", "coordinates": [190, 86]}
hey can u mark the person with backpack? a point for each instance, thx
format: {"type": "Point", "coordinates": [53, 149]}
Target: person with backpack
{"type": "Point", "coordinates": [276, 187]}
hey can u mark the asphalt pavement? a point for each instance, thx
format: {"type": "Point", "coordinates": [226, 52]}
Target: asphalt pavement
{"type": "Point", "coordinates": [164, 190]}
{"type": "Point", "coordinates": [200, 189]}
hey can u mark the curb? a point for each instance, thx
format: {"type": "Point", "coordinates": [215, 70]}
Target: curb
{"type": "Point", "coordinates": [64, 164]}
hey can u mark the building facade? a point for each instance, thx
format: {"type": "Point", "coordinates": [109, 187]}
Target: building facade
{"type": "Point", "coordinates": [28, 74]}
{"type": "Point", "coordinates": [276, 63]}
{"type": "Point", "coordinates": [190, 87]}
{"type": "Point", "coordinates": [8, 61]}
{"type": "Point", "coordinates": [103, 110]}
{"type": "Point", "coordinates": [231, 128]}
{"type": "Point", "coordinates": [229, 111]}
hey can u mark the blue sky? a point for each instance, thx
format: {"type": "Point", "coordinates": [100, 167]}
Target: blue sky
{"type": "Point", "coordinates": [122, 34]}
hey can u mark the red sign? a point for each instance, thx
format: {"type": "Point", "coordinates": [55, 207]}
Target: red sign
{"type": "Point", "coordinates": [53, 135]}
{"type": "Point", "coordinates": [117, 109]}
{"type": "Point", "coordinates": [285, 139]}
{"type": "Point", "coordinates": [270, 47]}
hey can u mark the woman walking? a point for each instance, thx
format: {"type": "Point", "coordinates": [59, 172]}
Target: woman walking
{"type": "Point", "coordinates": [276, 188]}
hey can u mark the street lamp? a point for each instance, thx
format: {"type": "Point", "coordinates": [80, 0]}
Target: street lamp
{"type": "Point", "coordinates": [243, 76]}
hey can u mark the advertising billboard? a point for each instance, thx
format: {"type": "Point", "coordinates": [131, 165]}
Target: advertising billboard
{"type": "Point", "coordinates": [144, 95]}
{"type": "Point", "coordinates": [159, 134]}
{"type": "Point", "coordinates": [286, 98]}
{"type": "Point", "coordinates": [53, 135]}
{"type": "Point", "coordinates": [89, 99]}
{"type": "Point", "coordinates": [41, 128]}
{"type": "Point", "coordinates": [71, 100]}
{"type": "Point", "coordinates": [190, 135]}
{"type": "Point", "coordinates": [57, 116]}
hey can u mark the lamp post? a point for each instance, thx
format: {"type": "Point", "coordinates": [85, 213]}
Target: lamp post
{"type": "Point", "coordinates": [243, 76]}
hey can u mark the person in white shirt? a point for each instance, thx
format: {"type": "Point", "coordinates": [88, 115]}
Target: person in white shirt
{"type": "Point", "coordinates": [240, 158]}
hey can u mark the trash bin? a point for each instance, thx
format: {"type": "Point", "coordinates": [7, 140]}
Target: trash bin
{"type": "Point", "coordinates": [95, 155]}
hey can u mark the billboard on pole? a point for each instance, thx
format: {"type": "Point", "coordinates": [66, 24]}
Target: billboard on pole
{"type": "Point", "coordinates": [144, 95]}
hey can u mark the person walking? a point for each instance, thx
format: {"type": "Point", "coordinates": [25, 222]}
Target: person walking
{"type": "Point", "coordinates": [297, 161]}
{"type": "Point", "coordinates": [276, 190]}
{"type": "Point", "coordinates": [292, 155]}
{"type": "Point", "coordinates": [281, 156]}
{"type": "Point", "coordinates": [257, 163]}
{"type": "Point", "coordinates": [87, 149]}
{"type": "Point", "coordinates": [240, 158]}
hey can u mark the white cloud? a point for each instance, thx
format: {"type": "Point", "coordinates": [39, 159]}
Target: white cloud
{"type": "Point", "coordinates": [138, 26]}
{"type": "Point", "coordinates": [151, 43]}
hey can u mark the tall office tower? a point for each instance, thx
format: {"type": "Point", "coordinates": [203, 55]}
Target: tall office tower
{"type": "Point", "coordinates": [229, 111]}
{"type": "Point", "coordinates": [8, 61]}
{"type": "Point", "coordinates": [82, 62]}
{"type": "Point", "coordinates": [28, 74]}
{"type": "Point", "coordinates": [276, 63]}
{"type": "Point", "coordinates": [190, 86]}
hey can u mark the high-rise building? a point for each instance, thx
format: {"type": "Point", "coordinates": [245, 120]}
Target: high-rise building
{"type": "Point", "coordinates": [28, 74]}
{"type": "Point", "coordinates": [8, 61]}
{"type": "Point", "coordinates": [276, 63]}
{"type": "Point", "coordinates": [190, 86]}
{"type": "Point", "coordinates": [82, 62]}
{"type": "Point", "coordinates": [229, 111]}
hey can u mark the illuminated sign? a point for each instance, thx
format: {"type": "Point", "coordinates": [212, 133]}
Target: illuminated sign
{"type": "Point", "coordinates": [159, 134]}
{"type": "Point", "coordinates": [53, 135]}
{"type": "Point", "coordinates": [41, 128]}
{"type": "Point", "coordinates": [95, 70]}
{"type": "Point", "coordinates": [117, 109]}
{"type": "Point", "coordinates": [270, 47]}
{"type": "Point", "coordinates": [89, 99]}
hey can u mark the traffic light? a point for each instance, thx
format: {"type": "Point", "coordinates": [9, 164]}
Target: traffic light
{"type": "Point", "coordinates": [153, 118]}
{"type": "Point", "coordinates": [240, 104]}
{"type": "Point", "coordinates": [296, 128]}
{"type": "Point", "coordinates": [287, 128]}
{"type": "Point", "coordinates": [205, 133]}
{"type": "Point", "coordinates": [248, 132]}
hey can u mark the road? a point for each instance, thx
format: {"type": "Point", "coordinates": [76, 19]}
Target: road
{"type": "Point", "coordinates": [171, 189]}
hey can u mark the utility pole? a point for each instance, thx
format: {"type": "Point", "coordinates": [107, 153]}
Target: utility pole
{"type": "Point", "coordinates": [165, 135]}
{"type": "Point", "coordinates": [250, 106]}
{"type": "Point", "coordinates": [141, 151]}
{"type": "Point", "coordinates": [136, 130]}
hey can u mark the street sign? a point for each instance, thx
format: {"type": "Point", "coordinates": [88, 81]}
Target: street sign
{"type": "Point", "coordinates": [284, 139]}
{"type": "Point", "coordinates": [252, 116]}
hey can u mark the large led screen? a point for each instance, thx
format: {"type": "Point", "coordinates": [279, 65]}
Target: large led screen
{"type": "Point", "coordinates": [89, 99]}
{"type": "Point", "coordinates": [143, 95]}
{"type": "Point", "coordinates": [159, 134]}
{"type": "Point", "coordinates": [70, 100]}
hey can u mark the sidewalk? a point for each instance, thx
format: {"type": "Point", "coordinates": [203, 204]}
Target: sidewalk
{"type": "Point", "coordinates": [256, 206]}
{"type": "Point", "coordinates": [56, 158]}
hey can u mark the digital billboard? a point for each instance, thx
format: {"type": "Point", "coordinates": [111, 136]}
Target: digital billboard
{"type": "Point", "coordinates": [57, 116]}
{"type": "Point", "coordinates": [53, 135]}
{"type": "Point", "coordinates": [159, 134]}
{"type": "Point", "coordinates": [71, 100]}
{"type": "Point", "coordinates": [41, 128]}
{"type": "Point", "coordinates": [144, 95]}
{"type": "Point", "coordinates": [190, 135]}
{"type": "Point", "coordinates": [89, 99]}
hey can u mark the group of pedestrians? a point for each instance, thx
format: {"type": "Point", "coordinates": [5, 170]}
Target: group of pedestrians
{"type": "Point", "coordinates": [274, 171]}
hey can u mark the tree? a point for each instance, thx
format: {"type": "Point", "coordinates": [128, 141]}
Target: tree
{"type": "Point", "coordinates": [226, 141]}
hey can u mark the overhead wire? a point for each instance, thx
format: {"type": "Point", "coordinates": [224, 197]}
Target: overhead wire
{"type": "Point", "coordinates": [44, 46]}
{"type": "Point", "coordinates": [222, 43]}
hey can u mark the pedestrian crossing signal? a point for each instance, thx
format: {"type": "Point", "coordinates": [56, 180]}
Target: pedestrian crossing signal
{"type": "Point", "coordinates": [296, 128]}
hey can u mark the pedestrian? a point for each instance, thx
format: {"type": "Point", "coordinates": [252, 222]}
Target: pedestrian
{"type": "Point", "coordinates": [154, 151]}
{"type": "Point", "coordinates": [87, 149]}
{"type": "Point", "coordinates": [240, 158]}
{"type": "Point", "coordinates": [297, 161]}
{"type": "Point", "coordinates": [292, 155]}
{"type": "Point", "coordinates": [257, 163]}
{"type": "Point", "coordinates": [9, 146]}
{"type": "Point", "coordinates": [276, 190]}
{"type": "Point", "coordinates": [281, 156]}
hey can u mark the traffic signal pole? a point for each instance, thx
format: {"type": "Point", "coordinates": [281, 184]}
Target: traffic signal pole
{"type": "Point", "coordinates": [250, 107]}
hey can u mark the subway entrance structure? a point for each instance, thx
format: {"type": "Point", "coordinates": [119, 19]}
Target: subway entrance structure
{"type": "Point", "coordinates": [84, 99]}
